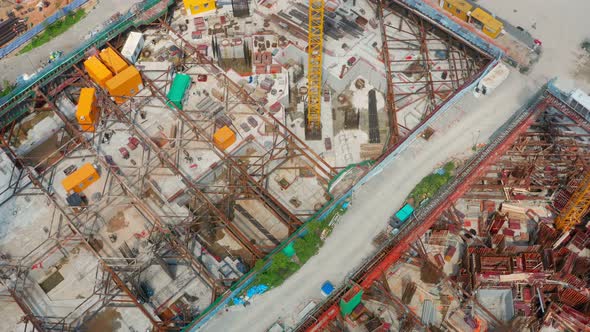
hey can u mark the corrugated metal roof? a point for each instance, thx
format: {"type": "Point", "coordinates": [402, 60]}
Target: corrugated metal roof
{"type": "Point", "coordinates": [582, 98]}
{"type": "Point", "coordinates": [112, 60]}
{"type": "Point", "coordinates": [85, 103]}
{"type": "Point", "coordinates": [487, 19]}
{"type": "Point", "coordinates": [428, 313]}
{"type": "Point", "coordinates": [122, 78]}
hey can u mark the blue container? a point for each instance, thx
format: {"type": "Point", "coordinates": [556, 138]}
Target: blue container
{"type": "Point", "coordinates": [327, 288]}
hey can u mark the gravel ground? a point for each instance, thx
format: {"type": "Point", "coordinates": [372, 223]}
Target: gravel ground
{"type": "Point", "coordinates": [13, 66]}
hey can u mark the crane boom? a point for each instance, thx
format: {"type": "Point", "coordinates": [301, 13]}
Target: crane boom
{"type": "Point", "coordinates": [576, 207]}
{"type": "Point", "coordinates": [314, 69]}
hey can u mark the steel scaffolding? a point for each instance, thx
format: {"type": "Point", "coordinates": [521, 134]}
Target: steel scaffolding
{"type": "Point", "coordinates": [176, 237]}
{"type": "Point", "coordinates": [437, 64]}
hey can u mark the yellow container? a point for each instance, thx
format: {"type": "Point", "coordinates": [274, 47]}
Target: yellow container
{"type": "Point", "coordinates": [488, 24]}
{"type": "Point", "coordinates": [199, 6]}
{"type": "Point", "coordinates": [458, 8]}
{"type": "Point", "coordinates": [112, 60]}
{"type": "Point", "coordinates": [224, 138]}
{"type": "Point", "coordinates": [87, 112]}
{"type": "Point", "coordinates": [80, 179]}
{"type": "Point", "coordinates": [125, 84]}
{"type": "Point", "coordinates": [97, 71]}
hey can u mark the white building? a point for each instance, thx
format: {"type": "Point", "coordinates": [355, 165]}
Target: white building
{"type": "Point", "coordinates": [133, 46]}
{"type": "Point", "coordinates": [492, 80]}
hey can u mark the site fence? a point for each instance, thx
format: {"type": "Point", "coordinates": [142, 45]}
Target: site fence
{"type": "Point", "coordinates": [29, 34]}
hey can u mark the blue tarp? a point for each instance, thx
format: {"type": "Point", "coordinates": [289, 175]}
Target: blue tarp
{"type": "Point", "coordinates": [327, 288]}
{"type": "Point", "coordinates": [258, 289]}
{"type": "Point", "coordinates": [255, 290]}
{"type": "Point", "coordinates": [439, 171]}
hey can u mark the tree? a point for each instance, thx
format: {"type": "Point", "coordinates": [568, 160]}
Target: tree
{"type": "Point", "coordinates": [7, 88]}
{"type": "Point", "coordinates": [307, 246]}
{"type": "Point", "coordinates": [281, 267]}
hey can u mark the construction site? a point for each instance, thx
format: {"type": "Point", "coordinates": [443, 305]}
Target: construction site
{"type": "Point", "coordinates": [501, 247]}
{"type": "Point", "coordinates": [149, 177]}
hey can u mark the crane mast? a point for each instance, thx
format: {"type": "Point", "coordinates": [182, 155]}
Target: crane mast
{"type": "Point", "coordinates": [576, 207]}
{"type": "Point", "coordinates": [314, 69]}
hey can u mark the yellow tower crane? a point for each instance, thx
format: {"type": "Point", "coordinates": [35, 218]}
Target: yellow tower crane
{"type": "Point", "coordinates": [314, 69]}
{"type": "Point", "coordinates": [576, 207]}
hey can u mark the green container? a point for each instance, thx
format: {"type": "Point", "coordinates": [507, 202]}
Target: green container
{"type": "Point", "coordinates": [289, 251]}
{"type": "Point", "coordinates": [180, 84]}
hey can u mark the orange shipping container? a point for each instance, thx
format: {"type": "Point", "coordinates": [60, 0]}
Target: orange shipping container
{"type": "Point", "coordinates": [97, 71]}
{"type": "Point", "coordinates": [112, 60]}
{"type": "Point", "coordinates": [80, 179]}
{"type": "Point", "coordinates": [125, 84]}
{"type": "Point", "coordinates": [224, 138]}
{"type": "Point", "coordinates": [87, 112]}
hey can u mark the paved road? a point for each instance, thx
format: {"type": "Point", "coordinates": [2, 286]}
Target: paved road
{"type": "Point", "coordinates": [13, 66]}
{"type": "Point", "coordinates": [350, 243]}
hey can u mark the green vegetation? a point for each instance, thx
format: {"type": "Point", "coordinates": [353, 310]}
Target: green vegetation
{"type": "Point", "coordinates": [54, 29]}
{"type": "Point", "coordinates": [282, 267]}
{"type": "Point", "coordinates": [431, 184]}
{"type": "Point", "coordinates": [7, 88]}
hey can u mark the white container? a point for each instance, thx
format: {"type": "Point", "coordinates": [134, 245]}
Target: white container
{"type": "Point", "coordinates": [133, 46]}
{"type": "Point", "coordinates": [492, 80]}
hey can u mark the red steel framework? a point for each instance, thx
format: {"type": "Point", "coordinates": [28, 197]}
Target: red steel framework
{"type": "Point", "coordinates": [507, 139]}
